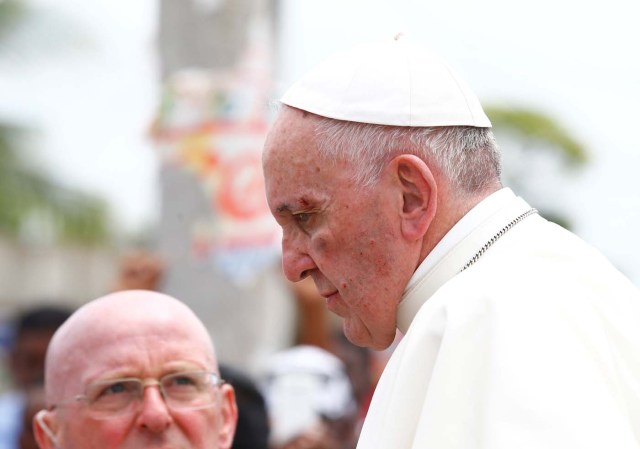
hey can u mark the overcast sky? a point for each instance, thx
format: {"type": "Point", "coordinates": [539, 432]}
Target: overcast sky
{"type": "Point", "coordinates": [573, 59]}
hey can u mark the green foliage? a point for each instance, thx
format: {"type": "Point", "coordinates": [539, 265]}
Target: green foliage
{"type": "Point", "coordinates": [535, 127]}
{"type": "Point", "coordinates": [533, 131]}
{"type": "Point", "coordinates": [29, 199]}
{"type": "Point", "coordinates": [30, 202]}
{"type": "Point", "coordinates": [11, 11]}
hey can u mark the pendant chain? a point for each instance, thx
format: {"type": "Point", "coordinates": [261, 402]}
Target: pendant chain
{"type": "Point", "coordinates": [496, 237]}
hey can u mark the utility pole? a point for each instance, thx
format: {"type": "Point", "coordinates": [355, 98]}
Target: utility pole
{"type": "Point", "coordinates": [216, 235]}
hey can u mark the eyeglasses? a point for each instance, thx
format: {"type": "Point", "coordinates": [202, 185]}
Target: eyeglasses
{"type": "Point", "coordinates": [117, 397]}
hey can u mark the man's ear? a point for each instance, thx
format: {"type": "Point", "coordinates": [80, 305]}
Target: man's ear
{"type": "Point", "coordinates": [228, 416]}
{"type": "Point", "coordinates": [419, 194]}
{"type": "Point", "coordinates": [45, 427]}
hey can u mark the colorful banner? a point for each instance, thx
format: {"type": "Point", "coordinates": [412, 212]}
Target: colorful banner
{"type": "Point", "coordinates": [213, 123]}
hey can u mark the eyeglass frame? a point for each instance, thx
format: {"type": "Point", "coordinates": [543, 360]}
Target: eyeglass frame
{"type": "Point", "coordinates": [217, 381]}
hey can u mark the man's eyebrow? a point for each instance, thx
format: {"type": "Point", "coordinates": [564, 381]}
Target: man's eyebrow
{"type": "Point", "coordinates": [283, 208]}
{"type": "Point", "coordinates": [302, 203]}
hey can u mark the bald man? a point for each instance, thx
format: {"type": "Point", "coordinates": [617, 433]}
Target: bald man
{"type": "Point", "coordinates": [134, 369]}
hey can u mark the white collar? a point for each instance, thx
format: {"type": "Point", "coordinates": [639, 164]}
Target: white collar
{"type": "Point", "coordinates": [490, 218]}
{"type": "Point", "coordinates": [461, 229]}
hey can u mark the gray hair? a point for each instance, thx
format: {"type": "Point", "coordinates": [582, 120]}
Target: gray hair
{"type": "Point", "coordinates": [466, 155]}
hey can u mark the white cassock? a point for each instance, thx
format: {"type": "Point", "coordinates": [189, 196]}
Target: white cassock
{"type": "Point", "coordinates": [535, 345]}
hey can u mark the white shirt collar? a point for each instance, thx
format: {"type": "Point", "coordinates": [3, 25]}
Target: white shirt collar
{"type": "Point", "coordinates": [461, 229]}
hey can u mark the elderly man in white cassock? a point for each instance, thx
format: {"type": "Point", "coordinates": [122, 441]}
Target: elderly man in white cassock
{"type": "Point", "coordinates": [384, 174]}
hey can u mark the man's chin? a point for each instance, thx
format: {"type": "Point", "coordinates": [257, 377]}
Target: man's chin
{"type": "Point", "coordinates": [360, 336]}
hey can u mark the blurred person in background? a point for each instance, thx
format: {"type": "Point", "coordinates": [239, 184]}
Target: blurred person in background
{"type": "Point", "coordinates": [359, 364]}
{"type": "Point", "coordinates": [33, 404]}
{"type": "Point", "coordinates": [313, 323]}
{"type": "Point", "coordinates": [139, 269]}
{"type": "Point", "coordinates": [383, 172]}
{"type": "Point", "coordinates": [309, 399]}
{"type": "Point", "coordinates": [252, 430]}
{"type": "Point", "coordinates": [134, 369]}
{"type": "Point", "coordinates": [33, 329]}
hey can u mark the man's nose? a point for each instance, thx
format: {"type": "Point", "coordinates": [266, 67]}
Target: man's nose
{"type": "Point", "coordinates": [296, 261]}
{"type": "Point", "coordinates": [154, 415]}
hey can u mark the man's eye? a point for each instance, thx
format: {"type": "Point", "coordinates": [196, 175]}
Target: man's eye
{"type": "Point", "coordinates": [182, 381]}
{"type": "Point", "coordinates": [302, 217]}
{"type": "Point", "coordinates": [114, 388]}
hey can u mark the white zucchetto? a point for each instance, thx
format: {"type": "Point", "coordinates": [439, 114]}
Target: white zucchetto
{"type": "Point", "coordinates": [389, 83]}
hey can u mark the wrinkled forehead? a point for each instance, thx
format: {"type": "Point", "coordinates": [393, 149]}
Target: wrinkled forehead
{"type": "Point", "coordinates": [152, 345]}
{"type": "Point", "coordinates": [163, 329]}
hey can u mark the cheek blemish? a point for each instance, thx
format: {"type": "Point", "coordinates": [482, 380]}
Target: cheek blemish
{"type": "Point", "coordinates": [319, 244]}
{"type": "Point", "coordinates": [343, 285]}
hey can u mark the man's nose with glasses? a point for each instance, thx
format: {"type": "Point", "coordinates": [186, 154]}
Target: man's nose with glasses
{"type": "Point", "coordinates": [117, 397]}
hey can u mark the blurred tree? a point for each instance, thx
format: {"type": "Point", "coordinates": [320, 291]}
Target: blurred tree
{"type": "Point", "coordinates": [533, 126]}
{"type": "Point", "coordinates": [32, 206]}
{"type": "Point", "coordinates": [10, 13]}
{"type": "Point", "coordinates": [531, 138]}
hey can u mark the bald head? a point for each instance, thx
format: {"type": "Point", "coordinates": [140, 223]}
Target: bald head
{"type": "Point", "coordinates": [149, 321]}
{"type": "Point", "coordinates": [134, 369]}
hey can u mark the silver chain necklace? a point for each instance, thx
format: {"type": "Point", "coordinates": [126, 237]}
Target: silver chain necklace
{"type": "Point", "coordinates": [496, 237]}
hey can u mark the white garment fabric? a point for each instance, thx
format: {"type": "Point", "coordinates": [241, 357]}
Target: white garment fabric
{"type": "Point", "coordinates": [535, 345]}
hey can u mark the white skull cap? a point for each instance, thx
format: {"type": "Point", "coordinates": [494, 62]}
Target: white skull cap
{"type": "Point", "coordinates": [394, 82]}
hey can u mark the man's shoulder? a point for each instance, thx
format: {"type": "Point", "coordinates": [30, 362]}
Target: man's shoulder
{"type": "Point", "coordinates": [540, 255]}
